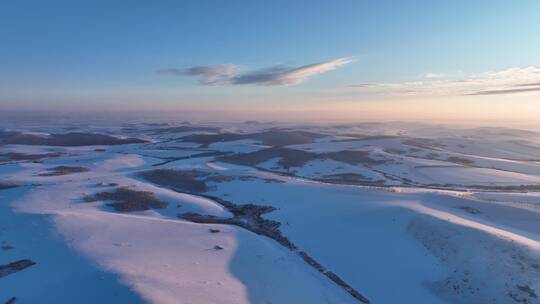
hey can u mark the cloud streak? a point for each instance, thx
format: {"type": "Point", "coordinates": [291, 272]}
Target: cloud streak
{"type": "Point", "coordinates": [282, 75]}
{"type": "Point", "coordinates": [227, 74]}
{"type": "Point", "coordinates": [509, 81]}
{"type": "Point", "coordinates": [215, 74]}
{"type": "Point", "coordinates": [507, 91]}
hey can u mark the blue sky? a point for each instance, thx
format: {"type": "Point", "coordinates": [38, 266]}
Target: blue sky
{"type": "Point", "coordinates": [104, 55]}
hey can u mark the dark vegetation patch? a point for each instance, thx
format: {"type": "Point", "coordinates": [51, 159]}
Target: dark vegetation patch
{"type": "Point", "coordinates": [178, 180]}
{"type": "Point", "coordinates": [14, 267]}
{"type": "Point", "coordinates": [102, 184]}
{"type": "Point", "coordinates": [311, 261]}
{"type": "Point", "coordinates": [4, 186]}
{"type": "Point", "coordinates": [167, 160]}
{"type": "Point", "coordinates": [251, 222]}
{"type": "Point", "coordinates": [7, 247]}
{"type": "Point", "coordinates": [248, 216]}
{"type": "Point", "coordinates": [16, 156]}
{"type": "Point", "coordinates": [357, 137]}
{"type": "Point", "coordinates": [11, 300]}
{"type": "Point", "coordinates": [353, 157]}
{"type": "Point", "coordinates": [469, 209]}
{"type": "Point", "coordinates": [183, 129]}
{"type": "Point", "coordinates": [218, 178]}
{"type": "Point", "coordinates": [273, 180]}
{"type": "Point", "coordinates": [156, 124]}
{"type": "Point", "coordinates": [423, 143]}
{"type": "Point", "coordinates": [287, 157]}
{"type": "Point", "coordinates": [253, 123]}
{"type": "Point", "coordinates": [516, 188]}
{"type": "Point", "coordinates": [460, 160]}
{"type": "Point", "coordinates": [353, 292]}
{"type": "Point", "coordinates": [67, 139]}
{"type": "Point", "coordinates": [350, 178]}
{"type": "Point", "coordinates": [438, 166]}
{"type": "Point", "coordinates": [126, 200]}
{"type": "Point", "coordinates": [528, 291]}
{"type": "Point", "coordinates": [297, 158]}
{"type": "Point", "coordinates": [193, 181]}
{"type": "Point", "coordinates": [274, 138]}
{"type": "Point", "coordinates": [64, 170]}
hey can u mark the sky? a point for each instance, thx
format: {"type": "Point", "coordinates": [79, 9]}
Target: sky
{"type": "Point", "coordinates": [279, 60]}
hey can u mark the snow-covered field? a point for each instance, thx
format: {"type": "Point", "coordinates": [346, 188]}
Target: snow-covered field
{"type": "Point", "coordinates": [241, 213]}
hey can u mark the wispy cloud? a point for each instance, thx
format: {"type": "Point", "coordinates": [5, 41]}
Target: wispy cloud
{"type": "Point", "coordinates": [215, 74]}
{"type": "Point", "coordinates": [282, 75]}
{"type": "Point", "coordinates": [509, 81]}
{"type": "Point", "coordinates": [273, 76]}
{"type": "Point", "coordinates": [507, 91]}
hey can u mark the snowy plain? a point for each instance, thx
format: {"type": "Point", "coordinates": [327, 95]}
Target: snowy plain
{"type": "Point", "coordinates": [409, 214]}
